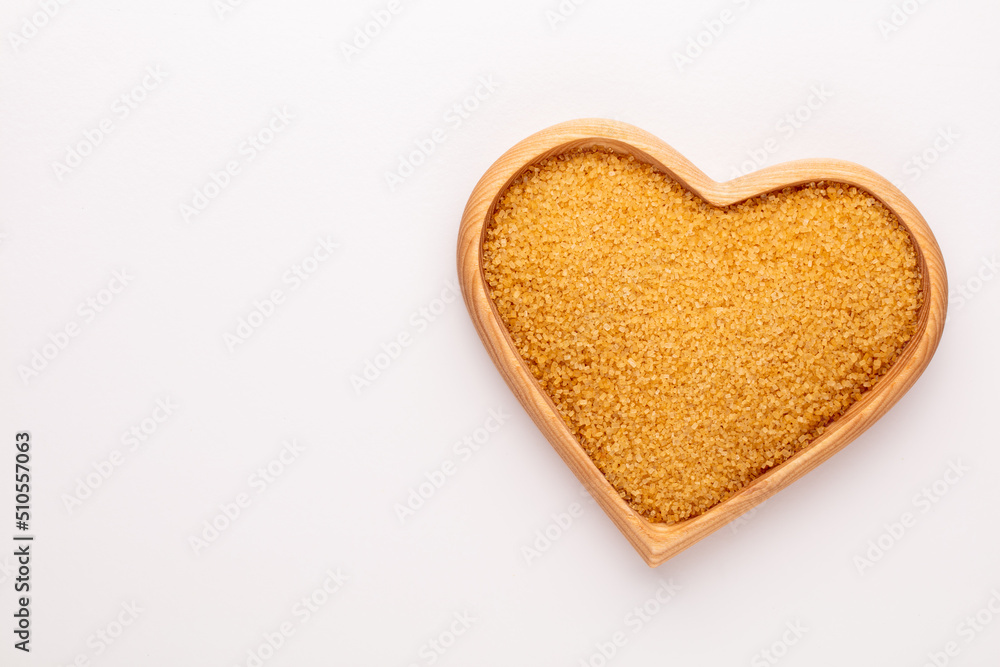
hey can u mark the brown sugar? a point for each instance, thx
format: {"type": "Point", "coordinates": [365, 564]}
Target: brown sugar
{"type": "Point", "coordinates": [689, 347]}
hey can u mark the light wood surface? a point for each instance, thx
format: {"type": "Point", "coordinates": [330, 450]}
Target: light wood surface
{"type": "Point", "coordinates": [657, 542]}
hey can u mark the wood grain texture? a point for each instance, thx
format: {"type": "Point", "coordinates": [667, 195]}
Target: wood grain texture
{"type": "Point", "coordinates": [657, 542]}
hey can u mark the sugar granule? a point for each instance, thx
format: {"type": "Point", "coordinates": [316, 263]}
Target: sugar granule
{"type": "Point", "coordinates": [688, 347]}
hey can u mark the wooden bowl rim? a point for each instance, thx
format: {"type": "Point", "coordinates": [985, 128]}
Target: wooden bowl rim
{"type": "Point", "coordinates": [656, 542]}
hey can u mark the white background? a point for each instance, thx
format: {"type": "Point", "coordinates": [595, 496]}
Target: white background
{"type": "Point", "coordinates": [795, 561]}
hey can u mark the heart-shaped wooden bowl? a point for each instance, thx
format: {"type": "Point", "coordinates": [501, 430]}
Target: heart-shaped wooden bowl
{"type": "Point", "coordinates": [656, 542]}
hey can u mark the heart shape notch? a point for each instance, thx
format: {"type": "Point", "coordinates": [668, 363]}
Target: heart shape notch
{"type": "Point", "coordinates": [656, 542]}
